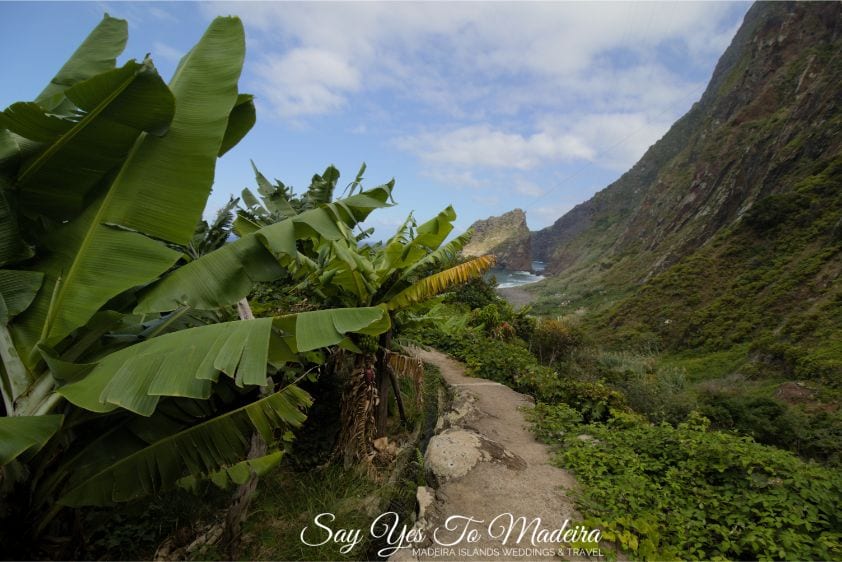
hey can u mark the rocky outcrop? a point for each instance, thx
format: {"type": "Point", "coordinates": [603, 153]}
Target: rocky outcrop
{"type": "Point", "coordinates": [506, 237]}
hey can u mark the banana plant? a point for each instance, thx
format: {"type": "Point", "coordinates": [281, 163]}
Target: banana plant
{"type": "Point", "coordinates": [278, 201]}
{"type": "Point", "coordinates": [413, 266]}
{"type": "Point", "coordinates": [103, 188]}
{"type": "Point", "coordinates": [107, 396]}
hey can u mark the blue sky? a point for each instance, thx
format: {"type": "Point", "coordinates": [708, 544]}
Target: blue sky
{"type": "Point", "coordinates": [486, 106]}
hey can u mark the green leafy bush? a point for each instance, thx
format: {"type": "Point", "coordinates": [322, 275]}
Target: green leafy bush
{"type": "Point", "coordinates": [476, 293]}
{"type": "Point", "coordinates": [766, 420]}
{"type": "Point", "coordinates": [524, 324]}
{"type": "Point", "coordinates": [551, 422]}
{"type": "Point", "coordinates": [816, 435]}
{"type": "Point", "coordinates": [687, 492]}
{"type": "Point", "coordinates": [497, 360]}
{"type": "Point", "coordinates": [779, 209]}
{"type": "Point", "coordinates": [553, 340]}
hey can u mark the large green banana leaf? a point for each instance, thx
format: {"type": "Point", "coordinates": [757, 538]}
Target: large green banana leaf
{"type": "Point", "coordinates": [17, 289]}
{"type": "Point", "coordinates": [21, 433]}
{"type": "Point", "coordinates": [237, 474]}
{"type": "Point", "coordinates": [226, 275]}
{"type": "Point", "coordinates": [187, 363]}
{"type": "Point", "coordinates": [400, 253]}
{"type": "Point", "coordinates": [134, 468]}
{"type": "Point", "coordinates": [344, 267]}
{"type": "Point", "coordinates": [12, 245]}
{"type": "Point", "coordinates": [98, 53]}
{"type": "Point", "coordinates": [159, 191]}
{"type": "Point", "coordinates": [112, 110]}
{"type": "Point", "coordinates": [446, 253]}
{"type": "Point", "coordinates": [242, 118]}
{"type": "Point", "coordinates": [276, 203]}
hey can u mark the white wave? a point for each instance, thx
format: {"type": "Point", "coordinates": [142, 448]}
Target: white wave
{"type": "Point", "coordinates": [519, 282]}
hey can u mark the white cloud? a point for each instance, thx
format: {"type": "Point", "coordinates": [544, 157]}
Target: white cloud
{"type": "Point", "coordinates": [621, 138]}
{"type": "Point", "coordinates": [525, 187]}
{"type": "Point", "coordinates": [166, 52]}
{"type": "Point", "coordinates": [617, 140]}
{"type": "Point", "coordinates": [460, 178]}
{"type": "Point", "coordinates": [482, 145]}
{"type": "Point", "coordinates": [466, 59]}
{"type": "Point", "coordinates": [307, 81]}
{"type": "Point", "coordinates": [160, 13]}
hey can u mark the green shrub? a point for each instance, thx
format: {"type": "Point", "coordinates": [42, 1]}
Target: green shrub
{"type": "Point", "coordinates": [488, 317]}
{"type": "Point", "coordinates": [766, 420]}
{"type": "Point", "coordinates": [551, 422]}
{"type": "Point", "coordinates": [524, 324]}
{"type": "Point", "coordinates": [476, 293]}
{"type": "Point", "coordinates": [686, 492]}
{"type": "Point", "coordinates": [779, 209]}
{"type": "Point", "coordinates": [662, 396]}
{"type": "Point", "coordinates": [820, 436]}
{"type": "Point", "coordinates": [553, 340]}
{"type": "Point", "coordinates": [813, 435]}
{"type": "Point", "coordinates": [544, 383]}
{"type": "Point", "coordinates": [593, 399]}
{"type": "Point", "coordinates": [496, 360]}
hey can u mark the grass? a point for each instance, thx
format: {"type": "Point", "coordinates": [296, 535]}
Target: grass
{"type": "Point", "coordinates": [711, 365]}
{"type": "Point", "coordinates": [288, 501]}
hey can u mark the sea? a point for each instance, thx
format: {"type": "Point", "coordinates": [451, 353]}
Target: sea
{"type": "Point", "coordinates": [506, 278]}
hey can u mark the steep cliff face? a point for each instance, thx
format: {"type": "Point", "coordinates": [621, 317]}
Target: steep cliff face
{"type": "Point", "coordinates": [770, 112]}
{"type": "Point", "coordinates": [728, 232]}
{"type": "Point", "coordinates": [507, 237]}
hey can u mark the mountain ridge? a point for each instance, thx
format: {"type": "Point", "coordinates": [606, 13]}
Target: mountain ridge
{"type": "Point", "coordinates": [725, 235]}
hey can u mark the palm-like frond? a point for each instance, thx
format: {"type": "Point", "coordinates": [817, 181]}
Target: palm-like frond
{"type": "Point", "coordinates": [445, 254]}
{"type": "Point", "coordinates": [209, 237]}
{"type": "Point", "coordinates": [98, 53]}
{"type": "Point", "coordinates": [139, 467]}
{"type": "Point", "coordinates": [237, 474]}
{"type": "Point", "coordinates": [321, 188]}
{"type": "Point", "coordinates": [438, 283]}
{"type": "Point", "coordinates": [408, 246]}
{"type": "Point", "coordinates": [226, 275]}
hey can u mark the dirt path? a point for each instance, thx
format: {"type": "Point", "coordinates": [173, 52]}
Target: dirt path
{"type": "Point", "coordinates": [488, 463]}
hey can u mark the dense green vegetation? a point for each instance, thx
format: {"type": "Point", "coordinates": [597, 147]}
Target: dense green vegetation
{"type": "Point", "coordinates": [132, 363]}
{"type": "Point", "coordinates": [668, 470]}
{"type": "Point", "coordinates": [692, 493]}
{"type": "Point", "coordinates": [708, 276]}
{"type": "Point", "coordinates": [146, 355]}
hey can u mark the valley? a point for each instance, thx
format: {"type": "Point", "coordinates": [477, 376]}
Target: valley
{"type": "Point", "coordinates": [718, 254]}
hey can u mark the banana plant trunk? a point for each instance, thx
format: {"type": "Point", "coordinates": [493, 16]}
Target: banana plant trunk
{"type": "Point", "coordinates": [381, 415]}
{"type": "Point", "coordinates": [384, 379]}
{"type": "Point", "coordinates": [238, 510]}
